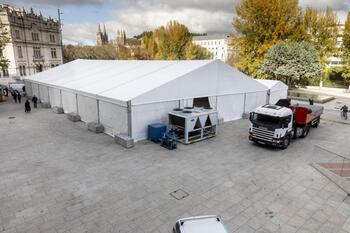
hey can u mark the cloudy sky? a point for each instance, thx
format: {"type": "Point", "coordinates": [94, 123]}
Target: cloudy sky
{"type": "Point", "coordinates": [81, 17]}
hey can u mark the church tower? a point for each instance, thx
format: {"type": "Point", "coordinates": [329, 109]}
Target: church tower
{"type": "Point", "coordinates": [101, 37]}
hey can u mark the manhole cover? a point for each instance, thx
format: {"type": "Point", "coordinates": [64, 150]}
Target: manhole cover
{"type": "Point", "coordinates": [12, 117]}
{"type": "Point", "coordinates": [179, 194]}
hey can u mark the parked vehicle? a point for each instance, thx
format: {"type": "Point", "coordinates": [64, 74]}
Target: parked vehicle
{"type": "Point", "coordinates": [277, 124]}
{"type": "Point", "coordinates": [16, 86]}
{"type": "Point", "coordinates": [200, 224]}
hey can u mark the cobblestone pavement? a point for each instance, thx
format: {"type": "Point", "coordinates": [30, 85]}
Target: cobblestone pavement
{"type": "Point", "coordinates": [55, 176]}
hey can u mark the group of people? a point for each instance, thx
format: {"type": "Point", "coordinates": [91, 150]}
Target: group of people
{"type": "Point", "coordinates": [17, 97]}
{"type": "Point", "coordinates": [27, 107]}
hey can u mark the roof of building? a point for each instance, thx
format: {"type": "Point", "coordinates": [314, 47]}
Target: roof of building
{"type": "Point", "coordinates": [210, 37]}
{"type": "Point", "coordinates": [142, 81]}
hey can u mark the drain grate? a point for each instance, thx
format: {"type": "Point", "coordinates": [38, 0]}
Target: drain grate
{"type": "Point", "coordinates": [12, 117]}
{"type": "Point", "coordinates": [179, 194]}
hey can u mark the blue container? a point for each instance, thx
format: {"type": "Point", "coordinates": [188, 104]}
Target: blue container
{"type": "Point", "coordinates": [156, 131]}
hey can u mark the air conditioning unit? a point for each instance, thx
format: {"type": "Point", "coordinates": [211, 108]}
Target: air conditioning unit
{"type": "Point", "coordinates": [193, 124]}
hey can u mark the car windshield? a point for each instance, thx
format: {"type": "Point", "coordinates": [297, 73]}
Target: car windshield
{"type": "Point", "coordinates": [266, 120]}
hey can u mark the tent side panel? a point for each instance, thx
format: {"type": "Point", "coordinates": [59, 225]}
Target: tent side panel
{"type": "Point", "coordinates": [44, 93]}
{"type": "Point", "coordinates": [143, 115]}
{"type": "Point", "coordinates": [278, 94]}
{"type": "Point", "coordinates": [28, 86]}
{"type": "Point", "coordinates": [35, 89]}
{"type": "Point", "coordinates": [114, 118]}
{"type": "Point", "coordinates": [55, 99]}
{"type": "Point", "coordinates": [230, 107]}
{"type": "Point", "coordinates": [87, 108]}
{"type": "Point", "coordinates": [254, 100]}
{"type": "Point", "coordinates": [69, 102]}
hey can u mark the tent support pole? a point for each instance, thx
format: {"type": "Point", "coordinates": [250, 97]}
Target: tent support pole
{"type": "Point", "coordinates": [98, 111]}
{"type": "Point", "coordinates": [48, 95]}
{"type": "Point", "coordinates": [76, 100]}
{"type": "Point", "coordinates": [245, 97]}
{"type": "Point", "coordinates": [129, 118]}
{"type": "Point", "coordinates": [61, 104]}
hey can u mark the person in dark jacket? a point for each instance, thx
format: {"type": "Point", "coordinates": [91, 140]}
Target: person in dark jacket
{"type": "Point", "coordinates": [311, 101]}
{"type": "Point", "coordinates": [35, 101]}
{"type": "Point", "coordinates": [6, 91]}
{"type": "Point", "coordinates": [344, 112]}
{"type": "Point", "coordinates": [14, 95]}
{"type": "Point", "coordinates": [27, 106]}
{"type": "Point", "coordinates": [19, 97]}
{"type": "Point", "coordinates": [24, 88]}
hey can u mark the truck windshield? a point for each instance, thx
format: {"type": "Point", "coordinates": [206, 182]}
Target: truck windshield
{"type": "Point", "coordinates": [266, 120]}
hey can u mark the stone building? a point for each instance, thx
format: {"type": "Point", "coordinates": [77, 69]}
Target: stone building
{"type": "Point", "coordinates": [35, 42]}
{"type": "Point", "coordinates": [218, 46]}
{"type": "Point", "coordinates": [101, 37]}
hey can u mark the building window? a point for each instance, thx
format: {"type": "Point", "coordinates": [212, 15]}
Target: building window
{"type": "Point", "coordinates": [20, 54]}
{"type": "Point", "coordinates": [36, 52]}
{"type": "Point", "coordinates": [35, 36]}
{"type": "Point", "coordinates": [52, 38]}
{"type": "Point", "coordinates": [5, 72]}
{"type": "Point", "coordinates": [53, 53]}
{"type": "Point", "coordinates": [22, 70]}
{"type": "Point", "coordinates": [17, 35]}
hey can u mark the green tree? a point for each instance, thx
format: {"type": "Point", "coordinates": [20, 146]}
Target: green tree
{"type": "Point", "coordinates": [294, 63]}
{"type": "Point", "coordinates": [260, 24]}
{"type": "Point", "coordinates": [4, 39]}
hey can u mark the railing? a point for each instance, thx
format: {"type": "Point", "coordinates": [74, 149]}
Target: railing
{"type": "Point", "coordinates": [38, 58]}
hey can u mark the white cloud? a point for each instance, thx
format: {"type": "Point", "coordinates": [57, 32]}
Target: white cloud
{"type": "Point", "coordinates": [55, 2]}
{"type": "Point", "coordinates": [210, 16]}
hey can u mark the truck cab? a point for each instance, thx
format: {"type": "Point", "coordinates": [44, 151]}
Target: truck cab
{"type": "Point", "coordinates": [272, 125]}
{"type": "Point", "coordinates": [200, 224]}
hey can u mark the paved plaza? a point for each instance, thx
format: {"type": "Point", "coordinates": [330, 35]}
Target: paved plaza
{"type": "Point", "coordinates": [57, 177]}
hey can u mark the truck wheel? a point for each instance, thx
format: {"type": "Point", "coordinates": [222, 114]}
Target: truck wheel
{"type": "Point", "coordinates": [306, 131]}
{"type": "Point", "coordinates": [286, 142]}
{"type": "Point", "coordinates": [317, 123]}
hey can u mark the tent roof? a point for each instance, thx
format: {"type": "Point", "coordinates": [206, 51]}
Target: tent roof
{"type": "Point", "coordinates": [272, 84]}
{"type": "Point", "coordinates": [124, 80]}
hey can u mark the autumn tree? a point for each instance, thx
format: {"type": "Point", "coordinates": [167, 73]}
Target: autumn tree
{"type": "Point", "coordinates": [172, 42]}
{"type": "Point", "coordinates": [346, 49]}
{"type": "Point", "coordinates": [260, 24]}
{"type": "Point", "coordinates": [294, 63]}
{"type": "Point", "coordinates": [321, 28]}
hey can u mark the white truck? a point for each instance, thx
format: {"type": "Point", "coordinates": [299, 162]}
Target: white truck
{"type": "Point", "coordinates": [277, 124]}
{"type": "Point", "coordinates": [200, 224]}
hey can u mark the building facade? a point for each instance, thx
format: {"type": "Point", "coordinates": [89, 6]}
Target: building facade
{"type": "Point", "coordinates": [35, 42]}
{"type": "Point", "coordinates": [218, 46]}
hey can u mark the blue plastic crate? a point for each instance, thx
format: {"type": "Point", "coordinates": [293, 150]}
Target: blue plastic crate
{"type": "Point", "coordinates": [156, 131]}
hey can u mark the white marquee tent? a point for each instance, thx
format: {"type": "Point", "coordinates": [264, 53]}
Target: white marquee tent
{"type": "Point", "coordinates": [278, 90]}
{"type": "Point", "coordinates": [126, 96]}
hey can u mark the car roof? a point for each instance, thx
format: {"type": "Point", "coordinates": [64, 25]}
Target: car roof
{"type": "Point", "coordinates": [203, 224]}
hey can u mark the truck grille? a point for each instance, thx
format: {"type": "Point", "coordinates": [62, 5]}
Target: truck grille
{"type": "Point", "coordinates": [262, 134]}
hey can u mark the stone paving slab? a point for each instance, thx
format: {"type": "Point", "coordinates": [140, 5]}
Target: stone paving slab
{"type": "Point", "coordinates": [55, 176]}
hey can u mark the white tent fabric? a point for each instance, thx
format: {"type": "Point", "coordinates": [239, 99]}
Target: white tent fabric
{"type": "Point", "coordinates": [278, 90]}
{"type": "Point", "coordinates": [126, 96]}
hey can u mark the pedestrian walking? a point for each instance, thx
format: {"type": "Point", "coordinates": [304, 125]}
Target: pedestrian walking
{"type": "Point", "coordinates": [6, 92]}
{"type": "Point", "coordinates": [35, 101]}
{"type": "Point", "coordinates": [311, 101]}
{"type": "Point", "coordinates": [344, 112]}
{"type": "Point", "coordinates": [14, 95]}
{"type": "Point", "coordinates": [19, 97]}
{"type": "Point", "coordinates": [27, 106]}
{"type": "Point", "coordinates": [24, 89]}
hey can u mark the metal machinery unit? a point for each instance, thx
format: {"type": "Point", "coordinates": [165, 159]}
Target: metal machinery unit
{"type": "Point", "coordinates": [193, 124]}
